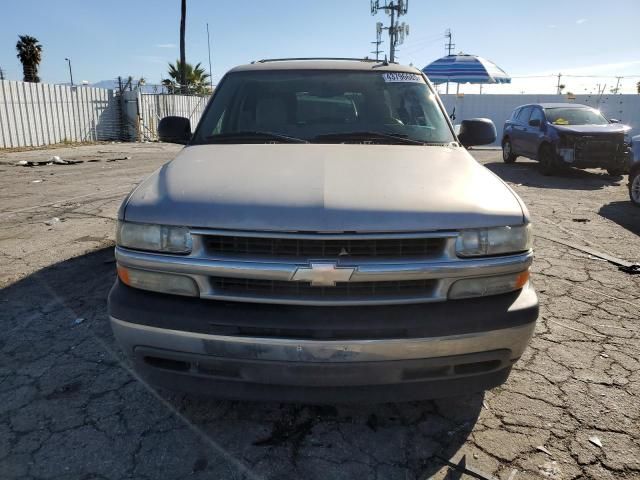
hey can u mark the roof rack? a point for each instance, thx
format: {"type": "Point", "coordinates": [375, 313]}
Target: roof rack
{"type": "Point", "coordinates": [265, 60]}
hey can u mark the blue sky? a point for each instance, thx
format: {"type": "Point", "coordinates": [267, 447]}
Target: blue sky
{"type": "Point", "coordinates": [117, 37]}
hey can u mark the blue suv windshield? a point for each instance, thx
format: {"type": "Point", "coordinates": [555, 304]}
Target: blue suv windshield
{"type": "Point", "coordinates": [575, 116]}
{"type": "Point", "coordinates": [324, 106]}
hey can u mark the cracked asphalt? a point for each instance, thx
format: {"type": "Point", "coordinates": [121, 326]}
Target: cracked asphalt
{"type": "Point", "coordinates": [71, 408]}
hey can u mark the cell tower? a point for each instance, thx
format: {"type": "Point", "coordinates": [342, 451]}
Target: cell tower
{"type": "Point", "coordinates": [397, 33]}
{"type": "Point", "coordinates": [378, 41]}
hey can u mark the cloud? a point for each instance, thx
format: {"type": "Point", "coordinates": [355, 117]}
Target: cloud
{"type": "Point", "coordinates": [166, 45]}
{"type": "Point", "coordinates": [580, 21]}
{"type": "Point", "coordinates": [552, 26]}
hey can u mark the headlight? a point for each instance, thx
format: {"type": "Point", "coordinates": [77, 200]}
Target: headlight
{"type": "Point", "coordinates": [493, 241]}
{"type": "Point", "coordinates": [156, 238]}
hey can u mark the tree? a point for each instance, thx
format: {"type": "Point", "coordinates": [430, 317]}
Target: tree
{"type": "Point", "coordinates": [30, 55]}
{"type": "Point", "coordinates": [196, 82]}
{"type": "Point", "coordinates": [183, 60]}
{"type": "Point", "coordinates": [638, 87]}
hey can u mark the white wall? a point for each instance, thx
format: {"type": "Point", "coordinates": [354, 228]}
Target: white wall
{"type": "Point", "coordinates": [34, 114]}
{"type": "Point", "coordinates": [499, 107]}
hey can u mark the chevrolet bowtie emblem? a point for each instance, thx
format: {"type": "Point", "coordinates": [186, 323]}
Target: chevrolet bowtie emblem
{"type": "Point", "coordinates": [323, 274]}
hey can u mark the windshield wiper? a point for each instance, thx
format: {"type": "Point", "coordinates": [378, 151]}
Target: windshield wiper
{"type": "Point", "coordinates": [233, 137]}
{"type": "Point", "coordinates": [354, 136]}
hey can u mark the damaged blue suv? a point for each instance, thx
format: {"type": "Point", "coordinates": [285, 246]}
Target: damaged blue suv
{"type": "Point", "coordinates": [565, 135]}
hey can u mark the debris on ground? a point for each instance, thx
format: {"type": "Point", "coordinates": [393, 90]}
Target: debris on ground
{"type": "Point", "coordinates": [543, 449]}
{"type": "Point", "coordinates": [78, 321]}
{"type": "Point", "coordinates": [118, 158]}
{"type": "Point", "coordinates": [462, 467]}
{"type": "Point", "coordinates": [54, 160]}
{"type": "Point", "coordinates": [36, 181]}
{"type": "Point", "coordinates": [550, 470]}
{"type": "Point", "coordinates": [581, 220]}
{"type": "Point", "coordinates": [595, 440]}
{"type": "Point", "coordinates": [623, 265]}
{"type": "Point", "coordinates": [53, 221]}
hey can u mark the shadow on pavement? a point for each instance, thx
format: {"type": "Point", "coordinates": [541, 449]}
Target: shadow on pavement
{"type": "Point", "coordinates": [625, 214]}
{"type": "Point", "coordinates": [526, 173]}
{"type": "Point", "coordinates": [61, 372]}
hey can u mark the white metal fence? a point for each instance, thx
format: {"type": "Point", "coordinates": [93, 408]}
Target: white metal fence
{"type": "Point", "coordinates": [34, 114]}
{"type": "Point", "coordinates": [498, 108]}
{"type": "Point", "coordinates": [37, 114]}
{"type": "Point", "coordinates": [153, 107]}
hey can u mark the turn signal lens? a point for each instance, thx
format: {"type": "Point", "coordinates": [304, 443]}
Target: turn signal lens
{"type": "Point", "coordinates": [158, 282]}
{"type": "Point", "coordinates": [484, 286]}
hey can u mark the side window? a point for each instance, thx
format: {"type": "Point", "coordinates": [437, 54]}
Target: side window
{"type": "Point", "coordinates": [523, 116]}
{"type": "Point", "coordinates": [537, 115]}
{"type": "Point", "coordinates": [515, 113]}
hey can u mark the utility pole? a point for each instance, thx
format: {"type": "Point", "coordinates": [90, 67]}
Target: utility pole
{"type": "Point", "coordinates": [397, 32]}
{"type": "Point", "coordinates": [183, 60]}
{"type": "Point", "coordinates": [209, 47]}
{"type": "Point", "coordinates": [449, 47]}
{"type": "Point", "coordinates": [559, 80]}
{"type": "Point", "coordinates": [70, 72]}
{"type": "Point", "coordinates": [617, 89]}
{"type": "Point", "coordinates": [378, 41]}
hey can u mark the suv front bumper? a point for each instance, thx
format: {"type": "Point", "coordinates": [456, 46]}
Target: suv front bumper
{"type": "Point", "coordinates": [322, 354]}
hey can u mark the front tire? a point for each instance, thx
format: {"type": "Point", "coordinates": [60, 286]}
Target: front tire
{"type": "Point", "coordinates": [634, 187]}
{"type": "Point", "coordinates": [507, 152]}
{"type": "Point", "coordinates": [615, 171]}
{"type": "Point", "coordinates": [547, 161]}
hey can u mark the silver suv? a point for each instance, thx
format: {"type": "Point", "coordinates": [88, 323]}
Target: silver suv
{"type": "Point", "coordinates": [324, 236]}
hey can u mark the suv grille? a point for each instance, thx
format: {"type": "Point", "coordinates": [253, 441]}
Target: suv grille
{"type": "Point", "coordinates": [341, 291]}
{"type": "Point", "coordinates": [318, 248]}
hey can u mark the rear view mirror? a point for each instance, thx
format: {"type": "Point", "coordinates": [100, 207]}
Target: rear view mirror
{"type": "Point", "coordinates": [534, 122]}
{"type": "Point", "coordinates": [174, 130]}
{"type": "Point", "coordinates": [477, 131]}
{"type": "Point", "coordinates": [614, 120]}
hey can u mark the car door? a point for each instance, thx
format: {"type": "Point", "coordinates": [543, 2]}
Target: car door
{"type": "Point", "coordinates": [532, 133]}
{"type": "Point", "coordinates": [518, 130]}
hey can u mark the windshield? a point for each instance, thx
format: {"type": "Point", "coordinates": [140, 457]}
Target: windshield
{"type": "Point", "coordinates": [324, 106]}
{"type": "Point", "coordinates": [575, 116]}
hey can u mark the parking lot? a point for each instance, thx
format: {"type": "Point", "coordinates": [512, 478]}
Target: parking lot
{"type": "Point", "coordinates": [71, 408]}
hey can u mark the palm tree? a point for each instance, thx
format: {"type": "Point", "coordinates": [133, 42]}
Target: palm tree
{"type": "Point", "coordinates": [183, 61]}
{"type": "Point", "coordinates": [196, 79]}
{"type": "Point", "coordinates": [30, 55]}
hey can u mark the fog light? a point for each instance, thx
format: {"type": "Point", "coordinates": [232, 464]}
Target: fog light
{"type": "Point", "coordinates": [567, 154]}
{"type": "Point", "coordinates": [483, 286]}
{"type": "Point", "coordinates": [158, 282]}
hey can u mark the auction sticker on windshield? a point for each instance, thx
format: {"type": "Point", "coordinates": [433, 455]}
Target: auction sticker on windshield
{"type": "Point", "coordinates": [390, 77]}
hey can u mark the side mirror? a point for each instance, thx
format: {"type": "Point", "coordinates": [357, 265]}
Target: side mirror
{"type": "Point", "coordinates": [477, 131]}
{"type": "Point", "coordinates": [535, 123]}
{"type": "Point", "coordinates": [614, 120]}
{"type": "Point", "coordinates": [174, 130]}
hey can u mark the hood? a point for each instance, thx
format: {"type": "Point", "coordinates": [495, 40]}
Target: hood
{"type": "Point", "coordinates": [593, 129]}
{"type": "Point", "coordinates": [324, 188]}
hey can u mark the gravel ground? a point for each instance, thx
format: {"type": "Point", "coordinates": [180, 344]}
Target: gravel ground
{"type": "Point", "coordinates": [71, 408]}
